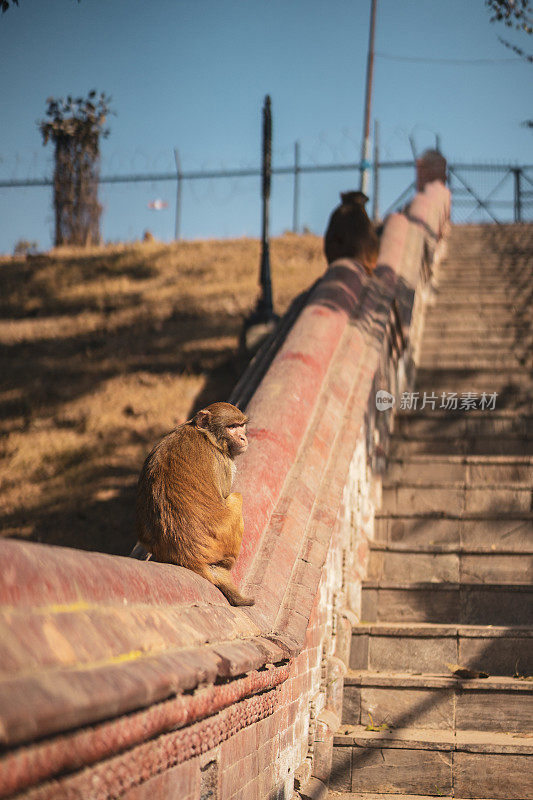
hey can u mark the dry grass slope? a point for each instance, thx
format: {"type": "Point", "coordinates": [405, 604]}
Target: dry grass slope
{"type": "Point", "coordinates": [103, 352]}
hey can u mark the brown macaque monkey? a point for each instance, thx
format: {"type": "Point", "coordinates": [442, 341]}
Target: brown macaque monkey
{"type": "Point", "coordinates": [185, 512]}
{"type": "Point", "coordinates": [350, 233]}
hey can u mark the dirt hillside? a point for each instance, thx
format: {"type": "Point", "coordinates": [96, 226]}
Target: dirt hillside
{"type": "Point", "coordinates": [103, 352]}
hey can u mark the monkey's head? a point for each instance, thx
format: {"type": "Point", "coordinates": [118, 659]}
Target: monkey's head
{"type": "Point", "coordinates": [354, 198]}
{"type": "Point", "coordinates": [227, 424]}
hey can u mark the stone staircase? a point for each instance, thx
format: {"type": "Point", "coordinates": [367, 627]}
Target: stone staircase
{"type": "Point", "coordinates": [449, 581]}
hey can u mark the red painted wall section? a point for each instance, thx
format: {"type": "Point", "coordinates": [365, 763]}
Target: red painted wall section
{"type": "Point", "coordinates": [129, 679]}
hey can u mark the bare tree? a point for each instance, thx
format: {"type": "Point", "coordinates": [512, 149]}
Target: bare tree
{"type": "Point", "coordinates": [4, 4]}
{"type": "Point", "coordinates": [516, 14]}
{"type": "Point", "coordinates": [75, 128]}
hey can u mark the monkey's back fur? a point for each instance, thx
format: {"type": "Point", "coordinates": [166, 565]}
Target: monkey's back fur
{"type": "Point", "coordinates": [182, 513]}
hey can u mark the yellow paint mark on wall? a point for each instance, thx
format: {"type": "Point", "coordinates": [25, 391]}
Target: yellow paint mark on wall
{"type": "Point", "coordinates": [79, 605]}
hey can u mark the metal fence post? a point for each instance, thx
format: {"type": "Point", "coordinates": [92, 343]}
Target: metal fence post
{"type": "Point", "coordinates": [296, 197]}
{"type": "Point", "coordinates": [177, 227]}
{"type": "Point", "coordinates": [517, 172]}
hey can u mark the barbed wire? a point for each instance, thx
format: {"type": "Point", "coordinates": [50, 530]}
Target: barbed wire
{"type": "Point", "coordinates": [211, 183]}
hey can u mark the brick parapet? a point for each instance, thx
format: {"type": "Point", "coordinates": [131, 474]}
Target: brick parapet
{"type": "Point", "coordinates": [104, 636]}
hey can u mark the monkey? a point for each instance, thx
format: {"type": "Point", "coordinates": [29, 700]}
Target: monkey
{"type": "Point", "coordinates": [350, 233]}
{"type": "Point", "coordinates": [185, 513]}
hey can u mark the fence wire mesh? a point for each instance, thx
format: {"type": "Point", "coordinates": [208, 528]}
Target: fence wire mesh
{"type": "Point", "coordinates": [218, 202]}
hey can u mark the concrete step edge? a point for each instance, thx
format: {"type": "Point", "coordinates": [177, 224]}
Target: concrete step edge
{"type": "Point", "coordinates": [438, 358]}
{"type": "Point", "coordinates": [408, 680]}
{"type": "Point", "coordinates": [447, 586]}
{"type": "Point", "coordinates": [445, 549]}
{"type": "Point", "coordinates": [471, 515]}
{"type": "Point", "coordinates": [466, 485]}
{"type": "Point", "coordinates": [401, 438]}
{"type": "Point", "coordinates": [487, 742]}
{"type": "Point", "coordinates": [432, 630]}
{"type": "Point", "coordinates": [476, 460]}
{"type": "Point", "coordinates": [475, 413]}
{"type": "Point", "coordinates": [332, 795]}
{"type": "Point", "coordinates": [399, 484]}
{"type": "Point", "coordinates": [495, 371]}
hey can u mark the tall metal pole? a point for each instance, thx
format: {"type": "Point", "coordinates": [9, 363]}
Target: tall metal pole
{"type": "Point", "coordinates": [296, 198]}
{"type": "Point", "coordinates": [177, 226]}
{"type": "Point", "coordinates": [263, 313]}
{"type": "Point", "coordinates": [365, 153]}
{"type": "Point", "coordinates": [264, 305]}
{"type": "Point", "coordinates": [375, 193]}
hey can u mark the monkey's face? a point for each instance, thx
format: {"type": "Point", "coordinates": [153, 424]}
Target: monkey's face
{"type": "Point", "coordinates": [235, 436]}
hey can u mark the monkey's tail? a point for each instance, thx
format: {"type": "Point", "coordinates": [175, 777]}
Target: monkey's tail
{"type": "Point", "coordinates": [140, 552]}
{"type": "Point", "coordinates": [222, 579]}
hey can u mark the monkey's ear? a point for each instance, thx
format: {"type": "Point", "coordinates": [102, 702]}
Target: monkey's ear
{"type": "Point", "coordinates": [202, 418]}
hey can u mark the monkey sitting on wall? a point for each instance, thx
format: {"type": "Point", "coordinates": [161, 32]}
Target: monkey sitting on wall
{"type": "Point", "coordinates": [350, 233]}
{"type": "Point", "coordinates": [185, 512]}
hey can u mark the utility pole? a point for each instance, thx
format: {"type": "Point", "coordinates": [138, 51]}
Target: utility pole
{"type": "Point", "coordinates": [375, 193]}
{"type": "Point", "coordinates": [365, 152]}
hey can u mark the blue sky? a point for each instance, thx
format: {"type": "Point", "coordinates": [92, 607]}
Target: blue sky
{"type": "Point", "coordinates": [192, 74]}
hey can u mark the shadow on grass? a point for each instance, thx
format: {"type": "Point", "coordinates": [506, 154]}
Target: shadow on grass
{"type": "Point", "coordinates": [86, 500]}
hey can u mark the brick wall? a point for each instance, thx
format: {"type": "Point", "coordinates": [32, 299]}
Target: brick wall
{"type": "Point", "coordinates": [138, 680]}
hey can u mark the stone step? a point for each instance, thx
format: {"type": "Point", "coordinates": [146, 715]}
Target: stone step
{"type": "Point", "coordinates": [493, 288]}
{"type": "Point", "coordinates": [426, 423]}
{"type": "Point", "coordinates": [482, 264]}
{"type": "Point", "coordinates": [449, 357]}
{"type": "Point", "coordinates": [481, 278]}
{"type": "Point", "coordinates": [506, 320]}
{"type": "Point", "coordinates": [478, 344]}
{"type": "Point", "coordinates": [448, 291]}
{"type": "Point", "coordinates": [479, 361]}
{"type": "Point", "coordinates": [437, 763]}
{"type": "Point", "coordinates": [477, 304]}
{"type": "Point", "coordinates": [407, 499]}
{"type": "Point", "coordinates": [489, 380]}
{"type": "Point", "coordinates": [448, 563]}
{"type": "Point", "coordinates": [441, 702]}
{"type": "Point", "coordinates": [404, 447]}
{"type": "Point", "coordinates": [490, 289]}
{"type": "Point", "coordinates": [373, 796]}
{"type": "Point", "coordinates": [475, 347]}
{"type": "Point", "coordinates": [506, 532]}
{"type": "Point", "coordinates": [472, 471]}
{"type": "Point", "coordinates": [460, 603]}
{"type": "Point", "coordinates": [469, 340]}
{"type": "Point", "coordinates": [493, 269]}
{"type": "Point", "coordinates": [417, 647]}
{"type": "Point", "coordinates": [463, 330]}
{"type": "Point", "coordinates": [505, 317]}
{"type": "Point", "coordinates": [461, 256]}
{"type": "Point", "coordinates": [507, 285]}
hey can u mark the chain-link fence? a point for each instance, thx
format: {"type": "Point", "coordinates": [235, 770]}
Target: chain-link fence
{"type": "Point", "coordinates": [181, 203]}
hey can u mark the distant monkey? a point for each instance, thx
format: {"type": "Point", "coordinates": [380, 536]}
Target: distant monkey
{"type": "Point", "coordinates": [350, 233]}
{"type": "Point", "coordinates": [185, 512]}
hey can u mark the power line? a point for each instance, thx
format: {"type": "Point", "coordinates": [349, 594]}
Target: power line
{"type": "Point", "coordinates": [458, 61]}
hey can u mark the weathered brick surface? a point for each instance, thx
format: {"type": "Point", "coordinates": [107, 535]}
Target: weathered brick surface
{"type": "Point", "coordinates": [146, 638]}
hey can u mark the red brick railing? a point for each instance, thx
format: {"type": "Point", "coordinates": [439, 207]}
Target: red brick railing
{"type": "Point", "coordinates": [138, 680]}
